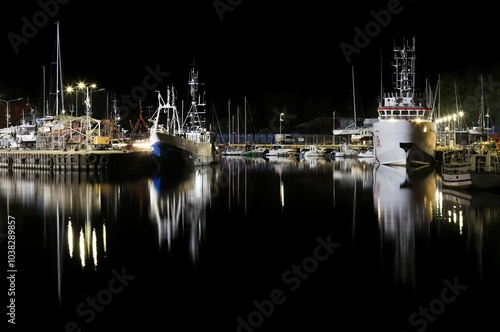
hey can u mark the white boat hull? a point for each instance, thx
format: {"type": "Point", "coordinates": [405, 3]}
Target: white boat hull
{"type": "Point", "coordinates": [402, 142]}
{"type": "Point", "coordinates": [459, 180]}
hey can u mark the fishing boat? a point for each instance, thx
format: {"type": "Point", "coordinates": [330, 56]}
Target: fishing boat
{"type": "Point", "coordinates": [468, 170]}
{"type": "Point", "coordinates": [190, 143]}
{"type": "Point", "coordinates": [405, 133]}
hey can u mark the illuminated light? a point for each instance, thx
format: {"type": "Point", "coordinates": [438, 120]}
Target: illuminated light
{"type": "Point", "coordinates": [142, 145]}
{"type": "Point", "coordinates": [282, 195]}
{"type": "Point", "coordinates": [70, 238]}
{"type": "Point", "coordinates": [461, 222]}
{"type": "Point", "coordinates": [82, 247]}
{"type": "Point", "coordinates": [94, 247]}
{"type": "Point", "coordinates": [104, 238]}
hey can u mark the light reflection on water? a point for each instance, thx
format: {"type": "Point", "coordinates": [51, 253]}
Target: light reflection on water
{"type": "Point", "coordinates": [82, 226]}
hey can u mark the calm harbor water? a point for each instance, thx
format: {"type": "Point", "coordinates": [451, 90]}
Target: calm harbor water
{"type": "Point", "coordinates": [249, 245]}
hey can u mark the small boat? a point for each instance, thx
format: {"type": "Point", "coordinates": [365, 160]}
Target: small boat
{"type": "Point", "coordinates": [231, 150]}
{"type": "Point", "coordinates": [316, 152]}
{"type": "Point", "coordinates": [281, 151]}
{"type": "Point", "coordinates": [346, 152]}
{"type": "Point", "coordinates": [366, 154]}
{"type": "Point", "coordinates": [466, 170]}
{"type": "Point", "coordinates": [254, 151]}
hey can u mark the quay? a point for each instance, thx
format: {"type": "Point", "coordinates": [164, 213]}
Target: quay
{"type": "Point", "coordinates": [73, 160]}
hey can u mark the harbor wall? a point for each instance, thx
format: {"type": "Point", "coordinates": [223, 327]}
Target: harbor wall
{"type": "Point", "coordinates": [104, 161]}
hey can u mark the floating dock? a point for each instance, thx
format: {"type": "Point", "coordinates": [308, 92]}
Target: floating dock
{"type": "Point", "coordinates": [93, 160]}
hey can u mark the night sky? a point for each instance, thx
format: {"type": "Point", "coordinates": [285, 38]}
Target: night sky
{"type": "Point", "coordinates": [259, 49]}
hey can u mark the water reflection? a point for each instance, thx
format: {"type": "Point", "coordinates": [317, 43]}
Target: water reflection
{"type": "Point", "coordinates": [405, 208]}
{"type": "Point", "coordinates": [178, 207]}
{"type": "Point", "coordinates": [415, 213]}
{"type": "Point", "coordinates": [474, 216]}
{"type": "Point", "coordinates": [82, 226]}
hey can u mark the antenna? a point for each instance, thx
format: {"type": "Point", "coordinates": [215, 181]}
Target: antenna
{"type": "Point", "coordinates": [381, 83]}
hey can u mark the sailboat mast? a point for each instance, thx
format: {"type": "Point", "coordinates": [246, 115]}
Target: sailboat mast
{"type": "Point", "coordinates": [481, 111]}
{"type": "Point", "coordinates": [44, 109]}
{"type": "Point", "coordinates": [57, 68]}
{"type": "Point", "coordinates": [229, 120]}
{"type": "Point", "coordinates": [354, 97]}
{"type": "Point", "coordinates": [245, 119]}
{"type": "Point", "coordinates": [59, 78]}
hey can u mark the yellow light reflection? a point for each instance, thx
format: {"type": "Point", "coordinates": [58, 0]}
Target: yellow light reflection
{"type": "Point", "coordinates": [282, 195]}
{"type": "Point", "coordinates": [82, 247]}
{"type": "Point", "coordinates": [94, 247]}
{"type": "Point", "coordinates": [70, 238]}
{"type": "Point", "coordinates": [104, 238]}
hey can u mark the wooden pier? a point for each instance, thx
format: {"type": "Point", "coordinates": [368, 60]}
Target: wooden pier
{"type": "Point", "coordinates": [93, 160]}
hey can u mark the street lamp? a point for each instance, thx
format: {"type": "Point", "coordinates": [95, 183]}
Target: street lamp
{"type": "Point", "coordinates": [88, 106]}
{"type": "Point", "coordinates": [70, 89]}
{"type": "Point", "coordinates": [281, 120]}
{"type": "Point", "coordinates": [7, 114]}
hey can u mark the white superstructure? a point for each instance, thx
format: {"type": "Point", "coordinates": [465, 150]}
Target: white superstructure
{"type": "Point", "coordinates": [405, 133]}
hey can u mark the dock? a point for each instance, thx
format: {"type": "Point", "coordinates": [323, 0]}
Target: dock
{"type": "Point", "coordinates": [73, 160]}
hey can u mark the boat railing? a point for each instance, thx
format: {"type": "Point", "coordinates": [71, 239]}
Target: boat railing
{"type": "Point", "coordinates": [401, 113]}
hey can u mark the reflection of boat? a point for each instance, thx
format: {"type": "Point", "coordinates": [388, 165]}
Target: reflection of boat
{"type": "Point", "coordinates": [405, 132]}
{"type": "Point", "coordinates": [462, 169]}
{"type": "Point", "coordinates": [404, 205]}
{"type": "Point", "coordinates": [191, 144]}
{"type": "Point", "coordinates": [178, 206]}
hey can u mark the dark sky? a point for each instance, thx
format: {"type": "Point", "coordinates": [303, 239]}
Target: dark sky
{"type": "Point", "coordinates": [245, 48]}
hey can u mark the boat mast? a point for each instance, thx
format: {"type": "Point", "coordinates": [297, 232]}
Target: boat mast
{"type": "Point", "coordinates": [194, 114]}
{"type": "Point", "coordinates": [229, 120]}
{"type": "Point", "coordinates": [481, 110]}
{"type": "Point", "coordinates": [354, 98]}
{"type": "Point", "coordinates": [381, 83]}
{"type": "Point", "coordinates": [59, 78]}
{"type": "Point", "coordinates": [405, 69]}
{"type": "Point", "coordinates": [44, 109]}
{"type": "Point", "coordinates": [245, 120]}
